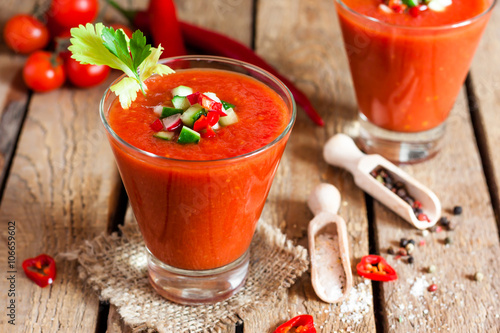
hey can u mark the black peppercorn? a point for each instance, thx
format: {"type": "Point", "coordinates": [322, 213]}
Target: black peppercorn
{"type": "Point", "coordinates": [457, 210]}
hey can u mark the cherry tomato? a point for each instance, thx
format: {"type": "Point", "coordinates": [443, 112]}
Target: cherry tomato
{"type": "Point", "coordinates": [25, 34]}
{"type": "Point", "coordinates": [85, 76]}
{"type": "Point", "coordinates": [125, 29]}
{"type": "Point", "coordinates": [64, 14]}
{"type": "Point", "coordinates": [43, 71]}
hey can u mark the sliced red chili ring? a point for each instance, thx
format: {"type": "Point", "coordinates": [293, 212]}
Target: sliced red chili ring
{"type": "Point", "coordinates": [375, 268]}
{"type": "Point", "coordinates": [41, 269]}
{"type": "Point", "coordinates": [302, 324]}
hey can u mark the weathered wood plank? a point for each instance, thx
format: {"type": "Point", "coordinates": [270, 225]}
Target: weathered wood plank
{"type": "Point", "coordinates": [13, 93]}
{"type": "Point", "coordinates": [58, 194]}
{"type": "Point", "coordinates": [456, 176]}
{"type": "Point", "coordinates": [485, 74]}
{"type": "Point", "coordinates": [302, 40]}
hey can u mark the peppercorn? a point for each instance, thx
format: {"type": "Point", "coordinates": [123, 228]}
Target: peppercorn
{"type": "Point", "coordinates": [411, 260]}
{"type": "Point", "coordinates": [402, 252]}
{"type": "Point", "coordinates": [444, 221]}
{"type": "Point", "coordinates": [411, 241]}
{"type": "Point", "coordinates": [409, 248]}
{"type": "Point", "coordinates": [448, 241]}
{"type": "Point", "coordinates": [403, 242]}
{"type": "Point", "coordinates": [390, 250]}
{"type": "Point", "coordinates": [431, 269]}
{"type": "Point", "coordinates": [425, 233]}
{"type": "Point", "coordinates": [457, 210]}
{"type": "Point", "coordinates": [432, 288]}
{"type": "Point", "coordinates": [478, 276]}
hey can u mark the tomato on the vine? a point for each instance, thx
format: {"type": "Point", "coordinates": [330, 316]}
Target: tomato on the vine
{"type": "Point", "coordinates": [43, 71]}
{"type": "Point", "coordinates": [85, 76]}
{"type": "Point", "coordinates": [25, 34]}
{"type": "Point", "coordinates": [66, 14]}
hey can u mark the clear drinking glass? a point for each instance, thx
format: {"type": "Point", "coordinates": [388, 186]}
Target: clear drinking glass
{"type": "Point", "coordinates": [198, 218]}
{"type": "Point", "coordinates": [406, 79]}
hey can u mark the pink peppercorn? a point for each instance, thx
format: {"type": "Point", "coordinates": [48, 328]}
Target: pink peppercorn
{"type": "Point", "coordinates": [432, 288]}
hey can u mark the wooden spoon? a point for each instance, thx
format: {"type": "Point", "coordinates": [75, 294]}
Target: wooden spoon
{"type": "Point", "coordinates": [331, 274]}
{"type": "Point", "coordinates": [341, 151]}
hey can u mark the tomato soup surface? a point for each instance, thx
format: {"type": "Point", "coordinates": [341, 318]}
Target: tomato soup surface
{"type": "Point", "coordinates": [407, 73]}
{"type": "Point", "coordinates": [262, 115]}
{"type": "Point", "coordinates": [460, 10]}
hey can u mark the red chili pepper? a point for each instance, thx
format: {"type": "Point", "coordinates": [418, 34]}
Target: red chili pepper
{"type": "Point", "coordinates": [165, 31]}
{"type": "Point", "coordinates": [41, 269]}
{"type": "Point", "coordinates": [299, 324]}
{"type": "Point", "coordinates": [214, 43]}
{"type": "Point", "coordinates": [165, 28]}
{"type": "Point", "coordinates": [138, 19]}
{"type": "Point", "coordinates": [156, 125]}
{"type": "Point", "coordinates": [375, 268]}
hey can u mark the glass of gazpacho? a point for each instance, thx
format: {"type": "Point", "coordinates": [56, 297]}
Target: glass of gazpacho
{"type": "Point", "coordinates": [198, 174]}
{"type": "Point", "coordinates": [408, 61]}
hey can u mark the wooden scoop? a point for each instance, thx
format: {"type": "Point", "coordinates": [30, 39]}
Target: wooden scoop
{"type": "Point", "coordinates": [331, 274]}
{"type": "Point", "coordinates": [341, 151]}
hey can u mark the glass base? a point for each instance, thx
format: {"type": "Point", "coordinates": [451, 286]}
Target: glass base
{"type": "Point", "coordinates": [197, 287]}
{"type": "Point", "coordinates": [399, 147]}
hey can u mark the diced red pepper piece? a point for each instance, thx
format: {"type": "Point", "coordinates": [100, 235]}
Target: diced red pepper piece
{"type": "Point", "coordinates": [423, 217]}
{"type": "Point", "coordinates": [41, 269]}
{"type": "Point", "coordinates": [194, 98]}
{"type": "Point", "coordinates": [216, 106]}
{"type": "Point", "coordinates": [200, 124]}
{"type": "Point", "coordinates": [213, 117]}
{"type": "Point", "coordinates": [157, 125]}
{"type": "Point", "coordinates": [302, 324]}
{"type": "Point", "coordinates": [414, 11]}
{"type": "Point", "coordinates": [383, 272]}
{"type": "Point", "coordinates": [209, 133]}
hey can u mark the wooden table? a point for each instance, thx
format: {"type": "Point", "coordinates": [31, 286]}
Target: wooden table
{"type": "Point", "coordinates": [59, 182]}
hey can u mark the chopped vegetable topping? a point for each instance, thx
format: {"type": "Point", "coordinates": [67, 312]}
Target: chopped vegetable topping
{"type": "Point", "coordinates": [195, 115]}
{"type": "Point", "coordinates": [100, 45]}
{"type": "Point", "coordinates": [413, 7]}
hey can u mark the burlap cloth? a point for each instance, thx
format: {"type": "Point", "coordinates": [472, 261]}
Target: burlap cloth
{"type": "Point", "coordinates": [116, 267]}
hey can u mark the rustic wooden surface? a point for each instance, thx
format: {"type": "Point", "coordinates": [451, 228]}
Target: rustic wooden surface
{"type": "Point", "coordinates": [63, 188]}
{"type": "Point", "coordinates": [486, 87]}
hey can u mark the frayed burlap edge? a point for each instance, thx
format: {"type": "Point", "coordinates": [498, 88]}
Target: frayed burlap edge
{"type": "Point", "coordinates": [116, 267]}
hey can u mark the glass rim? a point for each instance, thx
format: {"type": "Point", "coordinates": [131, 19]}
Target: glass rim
{"type": "Point", "coordinates": [413, 28]}
{"type": "Point", "coordinates": [223, 60]}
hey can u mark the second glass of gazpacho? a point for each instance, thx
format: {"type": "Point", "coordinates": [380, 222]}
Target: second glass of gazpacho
{"type": "Point", "coordinates": [408, 61]}
{"type": "Point", "coordinates": [197, 154]}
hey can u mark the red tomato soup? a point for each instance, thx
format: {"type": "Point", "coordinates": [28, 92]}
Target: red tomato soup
{"type": "Point", "coordinates": [407, 71]}
{"type": "Point", "coordinates": [198, 208]}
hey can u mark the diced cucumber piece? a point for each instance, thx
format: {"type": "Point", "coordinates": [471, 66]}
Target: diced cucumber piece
{"type": "Point", "coordinates": [167, 112]}
{"type": "Point", "coordinates": [227, 105]}
{"type": "Point", "coordinates": [164, 135]}
{"type": "Point", "coordinates": [188, 135]}
{"type": "Point", "coordinates": [182, 91]}
{"type": "Point", "coordinates": [230, 119]}
{"type": "Point", "coordinates": [180, 102]}
{"type": "Point", "coordinates": [191, 115]}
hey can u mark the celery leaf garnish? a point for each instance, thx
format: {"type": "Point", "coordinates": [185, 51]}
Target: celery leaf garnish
{"type": "Point", "coordinates": [100, 45]}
